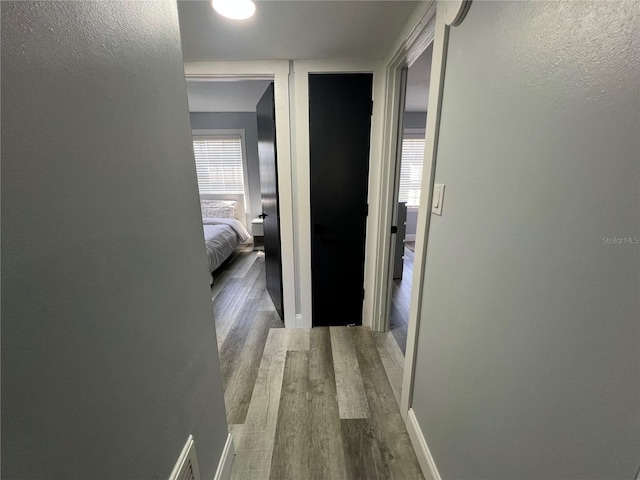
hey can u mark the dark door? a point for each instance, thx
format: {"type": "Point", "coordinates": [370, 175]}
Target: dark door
{"type": "Point", "coordinates": [265, 111]}
{"type": "Point", "coordinates": [339, 131]}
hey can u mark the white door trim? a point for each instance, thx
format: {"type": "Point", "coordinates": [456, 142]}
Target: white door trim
{"type": "Point", "coordinates": [302, 69]}
{"type": "Point", "coordinates": [448, 14]}
{"type": "Point", "coordinates": [418, 39]}
{"type": "Point", "coordinates": [279, 71]}
{"type": "Point", "coordinates": [433, 26]}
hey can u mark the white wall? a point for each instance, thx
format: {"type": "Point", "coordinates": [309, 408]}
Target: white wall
{"type": "Point", "coordinates": [528, 362]}
{"type": "Point", "coordinates": [109, 355]}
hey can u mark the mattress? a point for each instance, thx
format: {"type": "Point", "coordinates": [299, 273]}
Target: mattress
{"type": "Point", "coordinates": [221, 237]}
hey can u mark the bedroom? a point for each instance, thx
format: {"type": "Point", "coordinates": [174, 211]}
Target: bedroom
{"type": "Point", "coordinates": [226, 136]}
{"type": "Point", "coordinates": [228, 128]}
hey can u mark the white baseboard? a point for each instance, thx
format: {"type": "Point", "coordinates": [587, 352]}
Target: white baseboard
{"type": "Point", "coordinates": [429, 469]}
{"type": "Point", "coordinates": [226, 460]}
{"type": "Point", "coordinates": [410, 237]}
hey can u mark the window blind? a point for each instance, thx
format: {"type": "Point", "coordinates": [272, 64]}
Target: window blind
{"type": "Point", "coordinates": [219, 164]}
{"type": "Point", "coordinates": [411, 170]}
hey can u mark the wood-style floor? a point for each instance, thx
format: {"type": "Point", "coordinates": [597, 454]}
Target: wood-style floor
{"type": "Point", "coordinates": [400, 301]}
{"type": "Point", "coordinates": [302, 404]}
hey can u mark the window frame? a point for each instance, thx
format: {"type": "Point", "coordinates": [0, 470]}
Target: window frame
{"type": "Point", "coordinates": [203, 134]}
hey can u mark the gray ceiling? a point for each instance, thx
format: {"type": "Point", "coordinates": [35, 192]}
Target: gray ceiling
{"type": "Point", "coordinates": [418, 82]}
{"type": "Point", "coordinates": [294, 30]}
{"type": "Point", "coordinates": [236, 96]}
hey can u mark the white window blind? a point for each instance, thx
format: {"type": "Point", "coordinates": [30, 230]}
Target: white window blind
{"type": "Point", "coordinates": [219, 164]}
{"type": "Point", "coordinates": [411, 170]}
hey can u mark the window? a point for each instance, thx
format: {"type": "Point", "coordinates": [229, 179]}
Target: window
{"type": "Point", "coordinates": [411, 170]}
{"type": "Point", "coordinates": [219, 163]}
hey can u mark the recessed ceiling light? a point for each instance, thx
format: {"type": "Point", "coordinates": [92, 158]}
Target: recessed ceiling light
{"type": "Point", "coordinates": [234, 9]}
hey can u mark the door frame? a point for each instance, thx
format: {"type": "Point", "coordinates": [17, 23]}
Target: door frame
{"type": "Point", "coordinates": [420, 38]}
{"type": "Point", "coordinates": [302, 69]}
{"type": "Point", "coordinates": [278, 71]}
{"type": "Point", "coordinates": [407, 51]}
{"type": "Point", "coordinates": [432, 27]}
{"type": "Point", "coordinates": [352, 286]}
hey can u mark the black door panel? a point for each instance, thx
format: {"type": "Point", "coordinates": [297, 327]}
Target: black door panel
{"type": "Point", "coordinates": [265, 111]}
{"type": "Point", "coordinates": [339, 135]}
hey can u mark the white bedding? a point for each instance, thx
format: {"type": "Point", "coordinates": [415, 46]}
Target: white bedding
{"type": "Point", "coordinates": [221, 237]}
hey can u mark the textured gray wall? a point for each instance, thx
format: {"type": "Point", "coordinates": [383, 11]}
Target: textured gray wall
{"type": "Point", "coordinates": [235, 121]}
{"type": "Point", "coordinates": [412, 222]}
{"type": "Point", "coordinates": [415, 120]}
{"type": "Point", "coordinates": [529, 343]}
{"type": "Point", "coordinates": [109, 354]}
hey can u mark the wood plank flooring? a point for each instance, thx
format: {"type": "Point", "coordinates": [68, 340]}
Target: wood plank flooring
{"type": "Point", "coordinates": [302, 404]}
{"type": "Point", "coordinates": [400, 302]}
{"type": "Point", "coordinates": [243, 324]}
{"type": "Point", "coordinates": [352, 401]}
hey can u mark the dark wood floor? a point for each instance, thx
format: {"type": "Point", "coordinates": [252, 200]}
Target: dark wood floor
{"type": "Point", "coordinates": [316, 403]}
{"type": "Point", "coordinates": [400, 301]}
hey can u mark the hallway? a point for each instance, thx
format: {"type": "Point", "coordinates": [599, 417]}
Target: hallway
{"type": "Point", "coordinates": [306, 403]}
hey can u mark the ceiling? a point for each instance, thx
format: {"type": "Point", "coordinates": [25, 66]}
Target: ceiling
{"type": "Point", "coordinates": [418, 82]}
{"type": "Point", "coordinates": [293, 30]}
{"type": "Point", "coordinates": [236, 96]}
{"type": "Point", "coordinates": [243, 95]}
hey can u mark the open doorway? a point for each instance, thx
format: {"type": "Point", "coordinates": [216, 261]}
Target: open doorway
{"type": "Point", "coordinates": [225, 141]}
{"type": "Point", "coordinates": [233, 127]}
{"type": "Point", "coordinates": [408, 184]}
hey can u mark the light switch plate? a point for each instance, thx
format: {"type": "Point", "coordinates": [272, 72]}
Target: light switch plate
{"type": "Point", "coordinates": [438, 198]}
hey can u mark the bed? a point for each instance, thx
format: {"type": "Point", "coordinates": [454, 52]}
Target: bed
{"type": "Point", "coordinates": [223, 231]}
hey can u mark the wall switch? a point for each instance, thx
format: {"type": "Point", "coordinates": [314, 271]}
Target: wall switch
{"type": "Point", "coordinates": [438, 198]}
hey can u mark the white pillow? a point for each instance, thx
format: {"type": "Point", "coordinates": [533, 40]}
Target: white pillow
{"type": "Point", "coordinates": [218, 208]}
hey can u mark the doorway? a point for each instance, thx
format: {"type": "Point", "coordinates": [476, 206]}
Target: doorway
{"type": "Point", "coordinates": [227, 109]}
{"type": "Point", "coordinates": [339, 137]}
{"type": "Point", "coordinates": [278, 73]}
{"type": "Point", "coordinates": [233, 126]}
{"type": "Point", "coordinates": [407, 187]}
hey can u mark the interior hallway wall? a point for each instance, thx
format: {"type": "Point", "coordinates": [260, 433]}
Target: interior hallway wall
{"type": "Point", "coordinates": [109, 356]}
{"type": "Point", "coordinates": [528, 361]}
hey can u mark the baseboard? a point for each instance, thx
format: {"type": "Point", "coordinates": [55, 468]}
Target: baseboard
{"type": "Point", "coordinates": [226, 460]}
{"type": "Point", "coordinates": [429, 469]}
{"type": "Point", "coordinates": [410, 237]}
